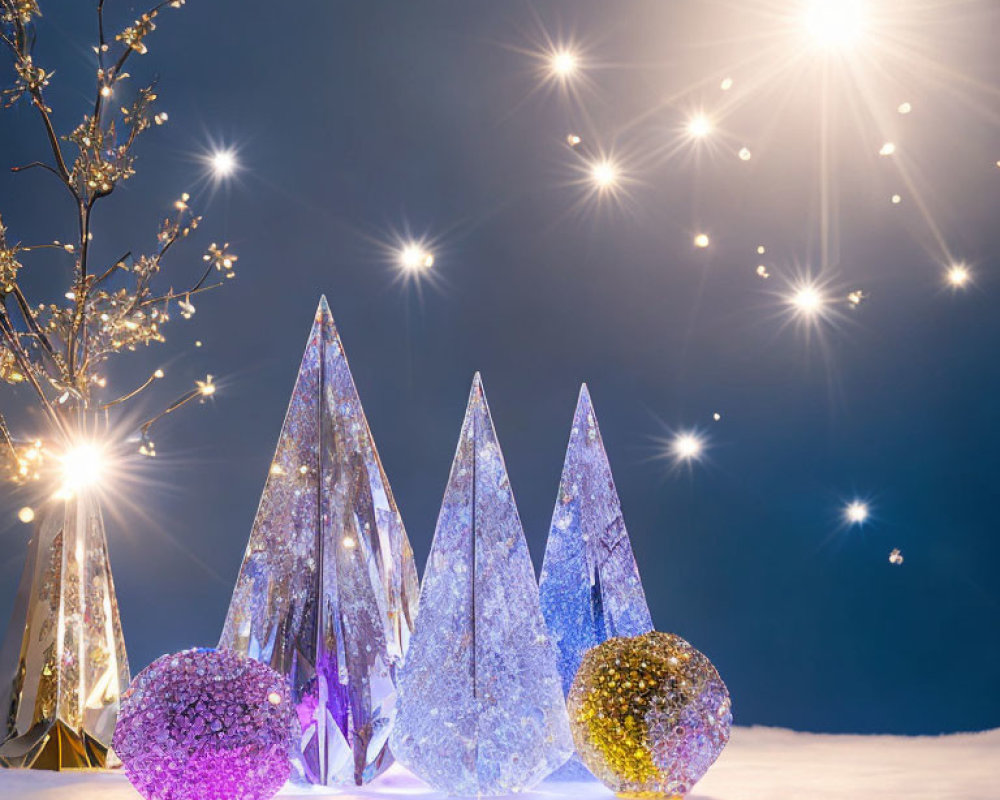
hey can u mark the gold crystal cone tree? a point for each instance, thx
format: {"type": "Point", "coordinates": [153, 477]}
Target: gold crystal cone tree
{"type": "Point", "coordinates": [63, 666]}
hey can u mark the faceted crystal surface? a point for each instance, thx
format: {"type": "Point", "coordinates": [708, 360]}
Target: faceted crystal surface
{"type": "Point", "coordinates": [206, 725]}
{"type": "Point", "coordinates": [63, 665]}
{"type": "Point", "coordinates": [328, 587]}
{"type": "Point", "coordinates": [481, 705]}
{"type": "Point", "coordinates": [590, 587]}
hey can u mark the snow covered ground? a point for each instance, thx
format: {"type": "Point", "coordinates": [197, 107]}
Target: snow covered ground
{"type": "Point", "coordinates": [758, 764]}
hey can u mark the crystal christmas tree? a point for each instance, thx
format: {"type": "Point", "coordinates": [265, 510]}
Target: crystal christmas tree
{"type": "Point", "coordinates": [481, 707]}
{"type": "Point", "coordinates": [328, 587]}
{"type": "Point", "coordinates": [63, 665]}
{"type": "Point", "coordinates": [590, 587]}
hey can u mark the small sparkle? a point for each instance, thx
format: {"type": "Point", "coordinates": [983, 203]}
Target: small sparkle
{"type": "Point", "coordinates": [855, 297]}
{"type": "Point", "coordinates": [604, 174]}
{"type": "Point", "coordinates": [887, 149]}
{"type": "Point", "coordinates": [26, 514]}
{"type": "Point", "coordinates": [895, 557]}
{"type": "Point", "coordinates": [701, 240]}
{"type": "Point", "coordinates": [896, 199]}
{"type": "Point", "coordinates": [760, 250]}
{"type": "Point", "coordinates": [573, 140]}
{"type": "Point", "coordinates": [762, 271]}
{"type": "Point", "coordinates": [726, 84]}
{"type": "Point", "coordinates": [274, 698]}
{"type": "Point", "coordinates": [904, 108]}
{"type": "Point", "coordinates": [716, 416]}
{"type": "Point", "coordinates": [744, 154]}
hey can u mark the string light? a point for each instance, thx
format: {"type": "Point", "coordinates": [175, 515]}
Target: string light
{"type": "Point", "coordinates": [687, 447]}
{"type": "Point", "coordinates": [413, 258]}
{"type": "Point", "coordinates": [563, 63]}
{"type": "Point", "coordinates": [958, 275]}
{"type": "Point", "coordinates": [699, 126]}
{"type": "Point", "coordinates": [81, 467]}
{"type": "Point", "coordinates": [856, 512]}
{"type": "Point", "coordinates": [807, 301]}
{"type": "Point", "coordinates": [834, 24]}
{"type": "Point", "coordinates": [605, 174]}
{"type": "Point", "coordinates": [223, 163]}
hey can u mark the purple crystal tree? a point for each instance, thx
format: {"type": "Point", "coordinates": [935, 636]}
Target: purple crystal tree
{"type": "Point", "coordinates": [590, 587]}
{"type": "Point", "coordinates": [328, 587]}
{"type": "Point", "coordinates": [206, 725]}
{"type": "Point", "coordinates": [481, 707]}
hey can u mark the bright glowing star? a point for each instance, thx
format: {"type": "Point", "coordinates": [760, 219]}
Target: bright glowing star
{"type": "Point", "coordinates": [856, 512]}
{"type": "Point", "coordinates": [687, 447]}
{"type": "Point", "coordinates": [414, 258]}
{"type": "Point", "coordinates": [699, 126]}
{"type": "Point", "coordinates": [904, 108]}
{"type": "Point", "coordinates": [105, 91]}
{"type": "Point", "coordinates": [744, 154]}
{"type": "Point", "coordinates": [206, 388]}
{"type": "Point", "coordinates": [855, 297]}
{"type": "Point", "coordinates": [604, 174]}
{"type": "Point", "coordinates": [716, 416]}
{"type": "Point", "coordinates": [26, 514]}
{"type": "Point", "coordinates": [887, 149]}
{"type": "Point", "coordinates": [81, 467]}
{"type": "Point", "coordinates": [896, 199]}
{"type": "Point", "coordinates": [958, 275]}
{"type": "Point", "coordinates": [895, 557]}
{"type": "Point", "coordinates": [573, 140]}
{"type": "Point", "coordinates": [223, 163]}
{"type": "Point", "coordinates": [158, 373]}
{"type": "Point", "coordinates": [701, 240]}
{"type": "Point", "coordinates": [807, 301]}
{"type": "Point", "coordinates": [564, 63]}
{"type": "Point", "coordinates": [834, 24]}
{"type": "Point", "coordinates": [727, 84]}
{"type": "Point", "coordinates": [762, 271]}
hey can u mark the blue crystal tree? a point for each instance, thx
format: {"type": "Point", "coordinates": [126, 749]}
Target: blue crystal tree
{"type": "Point", "coordinates": [590, 587]}
{"type": "Point", "coordinates": [481, 707]}
{"type": "Point", "coordinates": [328, 587]}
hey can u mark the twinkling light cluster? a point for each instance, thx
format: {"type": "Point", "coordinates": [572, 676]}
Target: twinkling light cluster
{"type": "Point", "coordinates": [206, 725]}
{"type": "Point", "coordinates": [649, 714]}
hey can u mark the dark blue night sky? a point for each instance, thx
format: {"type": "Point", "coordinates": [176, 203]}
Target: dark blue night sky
{"type": "Point", "coordinates": [356, 120]}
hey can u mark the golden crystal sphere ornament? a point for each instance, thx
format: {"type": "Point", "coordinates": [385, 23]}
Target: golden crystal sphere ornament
{"type": "Point", "coordinates": [649, 714]}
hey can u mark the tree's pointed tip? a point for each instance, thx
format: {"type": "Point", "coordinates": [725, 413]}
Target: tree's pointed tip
{"type": "Point", "coordinates": [323, 307]}
{"type": "Point", "coordinates": [584, 393]}
{"type": "Point", "coordinates": [477, 381]}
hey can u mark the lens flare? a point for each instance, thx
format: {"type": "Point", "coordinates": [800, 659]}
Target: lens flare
{"type": "Point", "coordinates": [82, 466]}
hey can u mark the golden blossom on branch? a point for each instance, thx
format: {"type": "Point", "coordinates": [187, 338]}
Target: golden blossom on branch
{"type": "Point", "coordinates": [57, 347]}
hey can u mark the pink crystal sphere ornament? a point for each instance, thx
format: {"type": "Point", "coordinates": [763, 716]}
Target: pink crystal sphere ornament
{"type": "Point", "coordinates": [206, 725]}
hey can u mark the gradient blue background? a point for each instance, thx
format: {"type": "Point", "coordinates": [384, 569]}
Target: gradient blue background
{"type": "Point", "coordinates": [354, 119]}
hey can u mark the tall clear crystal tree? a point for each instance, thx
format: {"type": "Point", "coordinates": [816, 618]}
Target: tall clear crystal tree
{"type": "Point", "coordinates": [328, 587]}
{"type": "Point", "coordinates": [481, 707]}
{"type": "Point", "coordinates": [63, 664]}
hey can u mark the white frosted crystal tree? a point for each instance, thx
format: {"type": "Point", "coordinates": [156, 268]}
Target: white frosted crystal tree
{"type": "Point", "coordinates": [328, 587]}
{"type": "Point", "coordinates": [481, 706]}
